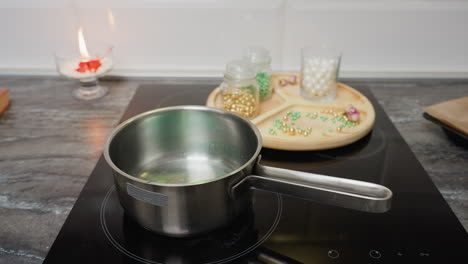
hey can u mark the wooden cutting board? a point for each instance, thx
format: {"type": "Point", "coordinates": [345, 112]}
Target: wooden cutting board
{"type": "Point", "coordinates": [315, 116]}
{"type": "Point", "coordinates": [4, 100]}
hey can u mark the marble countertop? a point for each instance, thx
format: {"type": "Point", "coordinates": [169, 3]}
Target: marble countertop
{"type": "Point", "coordinates": [50, 142]}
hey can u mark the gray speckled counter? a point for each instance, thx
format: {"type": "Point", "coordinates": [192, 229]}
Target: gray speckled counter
{"type": "Point", "coordinates": [50, 142]}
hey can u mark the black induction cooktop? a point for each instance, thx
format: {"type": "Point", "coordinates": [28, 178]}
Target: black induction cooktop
{"type": "Point", "coordinates": [420, 227]}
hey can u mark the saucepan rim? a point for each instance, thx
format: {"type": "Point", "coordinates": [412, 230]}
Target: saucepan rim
{"type": "Point", "coordinates": [131, 120]}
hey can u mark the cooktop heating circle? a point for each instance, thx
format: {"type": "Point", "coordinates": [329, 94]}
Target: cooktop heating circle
{"type": "Point", "coordinates": [134, 256]}
{"type": "Point", "coordinates": [375, 144]}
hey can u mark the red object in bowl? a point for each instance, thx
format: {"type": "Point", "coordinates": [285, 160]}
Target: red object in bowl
{"type": "Point", "coordinates": [89, 65]}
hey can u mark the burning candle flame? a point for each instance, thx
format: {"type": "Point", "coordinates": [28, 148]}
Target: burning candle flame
{"type": "Point", "coordinates": [86, 64]}
{"type": "Point", "coordinates": [82, 44]}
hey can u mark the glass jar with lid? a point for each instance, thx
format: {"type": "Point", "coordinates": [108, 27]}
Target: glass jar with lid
{"type": "Point", "coordinates": [261, 60]}
{"type": "Point", "coordinates": [239, 89]}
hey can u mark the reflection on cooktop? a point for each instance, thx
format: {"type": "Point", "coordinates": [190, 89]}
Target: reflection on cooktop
{"type": "Point", "coordinates": [366, 147]}
{"type": "Point", "coordinates": [178, 98]}
{"type": "Point", "coordinates": [235, 241]}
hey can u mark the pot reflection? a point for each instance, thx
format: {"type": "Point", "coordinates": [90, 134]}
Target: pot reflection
{"type": "Point", "coordinates": [222, 244]}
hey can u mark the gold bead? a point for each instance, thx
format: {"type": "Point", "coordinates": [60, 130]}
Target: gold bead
{"type": "Point", "coordinates": [285, 118]}
{"type": "Point", "coordinates": [306, 134]}
{"type": "Point", "coordinates": [338, 129]}
{"type": "Point", "coordinates": [285, 129]}
{"type": "Point", "coordinates": [299, 132]}
{"type": "Point", "coordinates": [309, 128]}
{"type": "Point", "coordinates": [288, 113]}
{"type": "Point", "coordinates": [292, 131]}
{"type": "Point", "coordinates": [335, 114]}
{"type": "Point", "coordinates": [315, 113]}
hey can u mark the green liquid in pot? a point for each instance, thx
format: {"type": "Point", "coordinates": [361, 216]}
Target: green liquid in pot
{"type": "Point", "coordinates": [185, 171]}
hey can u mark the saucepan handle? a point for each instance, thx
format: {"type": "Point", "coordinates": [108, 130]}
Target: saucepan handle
{"type": "Point", "coordinates": [352, 194]}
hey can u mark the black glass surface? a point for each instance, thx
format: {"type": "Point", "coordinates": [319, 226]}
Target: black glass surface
{"type": "Point", "coordinates": [420, 227]}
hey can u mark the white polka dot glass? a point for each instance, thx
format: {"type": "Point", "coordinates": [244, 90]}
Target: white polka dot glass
{"type": "Point", "coordinates": [319, 73]}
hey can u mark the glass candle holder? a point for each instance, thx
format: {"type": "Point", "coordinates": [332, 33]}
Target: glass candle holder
{"type": "Point", "coordinates": [319, 73]}
{"type": "Point", "coordinates": [86, 70]}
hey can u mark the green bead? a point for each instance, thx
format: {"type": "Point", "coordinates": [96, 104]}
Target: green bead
{"type": "Point", "coordinates": [324, 118]}
{"type": "Point", "coordinates": [272, 131]}
{"type": "Point", "coordinates": [263, 81]}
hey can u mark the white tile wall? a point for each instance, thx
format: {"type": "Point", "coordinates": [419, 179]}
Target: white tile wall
{"type": "Point", "coordinates": [382, 37]}
{"type": "Point", "coordinates": [197, 37]}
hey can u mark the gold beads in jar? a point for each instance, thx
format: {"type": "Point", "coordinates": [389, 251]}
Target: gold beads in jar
{"type": "Point", "coordinates": [239, 89]}
{"type": "Point", "coordinates": [241, 102]}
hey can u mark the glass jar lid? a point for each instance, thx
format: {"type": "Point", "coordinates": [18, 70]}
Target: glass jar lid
{"type": "Point", "coordinates": [240, 69]}
{"type": "Point", "coordinates": [257, 55]}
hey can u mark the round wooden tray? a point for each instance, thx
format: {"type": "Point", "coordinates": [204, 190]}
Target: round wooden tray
{"type": "Point", "coordinates": [324, 134]}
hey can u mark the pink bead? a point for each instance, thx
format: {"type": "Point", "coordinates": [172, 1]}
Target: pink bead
{"type": "Point", "coordinates": [283, 82]}
{"type": "Point", "coordinates": [353, 116]}
{"type": "Point", "coordinates": [351, 109]}
{"type": "Point", "coordinates": [292, 79]}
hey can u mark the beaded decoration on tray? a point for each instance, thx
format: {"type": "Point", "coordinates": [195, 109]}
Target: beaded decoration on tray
{"type": "Point", "coordinates": [297, 123]}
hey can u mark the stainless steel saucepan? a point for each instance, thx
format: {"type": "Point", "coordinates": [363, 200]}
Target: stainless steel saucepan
{"type": "Point", "coordinates": [182, 171]}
